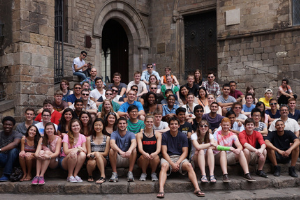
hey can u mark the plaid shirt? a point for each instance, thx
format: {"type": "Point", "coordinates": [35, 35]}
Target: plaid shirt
{"type": "Point", "coordinates": [214, 88]}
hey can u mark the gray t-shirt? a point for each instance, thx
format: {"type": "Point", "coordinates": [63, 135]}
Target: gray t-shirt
{"type": "Point", "coordinates": [122, 142]}
{"type": "Point", "coordinates": [230, 99]}
{"type": "Point", "coordinates": [21, 128]}
{"type": "Point", "coordinates": [7, 139]}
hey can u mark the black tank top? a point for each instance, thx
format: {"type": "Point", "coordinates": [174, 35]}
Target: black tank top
{"type": "Point", "coordinates": [149, 144]}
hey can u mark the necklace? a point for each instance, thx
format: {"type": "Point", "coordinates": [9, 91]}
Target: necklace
{"type": "Point", "coordinates": [148, 135]}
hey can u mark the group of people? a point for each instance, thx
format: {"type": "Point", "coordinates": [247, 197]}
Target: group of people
{"type": "Point", "coordinates": [152, 121]}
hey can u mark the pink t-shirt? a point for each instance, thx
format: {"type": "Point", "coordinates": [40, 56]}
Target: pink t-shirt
{"type": "Point", "coordinates": [81, 140]}
{"type": "Point", "coordinates": [225, 140]}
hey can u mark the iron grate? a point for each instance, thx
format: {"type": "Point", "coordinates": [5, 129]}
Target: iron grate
{"type": "Point", "coordinates": [296, 12]}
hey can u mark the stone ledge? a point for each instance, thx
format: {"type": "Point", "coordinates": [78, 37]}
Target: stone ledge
{"type": "Point", "coordinates": [6, 105]}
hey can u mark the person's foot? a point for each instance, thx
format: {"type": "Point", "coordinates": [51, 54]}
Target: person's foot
{"type": "Point", "coordinates": [4, 178]}
{"type": "Point", "coordinates": [35, 180]}
{"type": "Point", "coordinates": [130, 177]}
{"type": "Point", "coordinates": [90, 179]}
{"type": "Point", "coordinates": [292, 172]}
{"type": "Point", "coordinates": [161, 195]}
{"type": "Point", "coordinates": [23, 178]}
{"type": "Point", "coordinates": [277, 170]}
{"type": "Point", "coordinates": [71, 179]}
{"type": "Point", "coordinates": [78, 179]}
{"type": "Point", "coordinates": [261, 173]}
{"type": "Point", "coordinates": [101, 180]}
{"type": "Point", "coordinates": [199, 193]}
{"type": "Point", "coordinates": [154, 177]}
{"type": "Point", "coordinates": [226, 179]}
{"type": "Point", "coordinates": [41, 180]}
{"type": "Point", "coordinates": [213, 179]}
{"type": "Point", "coordinates": [28, 178]}
{"type": "Point", "coordinates": [143, 177]}
{"type": "Point", "coordinates": [114, 177]}
{"type": "Point", "coordinates": [203, 179]}
{"type": "Point", "coordinates": [249, 178]}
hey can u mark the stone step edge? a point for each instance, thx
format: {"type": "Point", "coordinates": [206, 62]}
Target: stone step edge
{"type": "Point", "coordinates": [138, 187]}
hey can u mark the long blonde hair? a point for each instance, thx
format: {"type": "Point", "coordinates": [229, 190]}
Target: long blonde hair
{"type": "Point", "coordinates": [103, 110]}
{"type": "Point", "coordinates": [70, 132]}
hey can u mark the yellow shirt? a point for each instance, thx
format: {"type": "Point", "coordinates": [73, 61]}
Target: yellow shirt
{"type": "Point", "coordinates": [263, 99]}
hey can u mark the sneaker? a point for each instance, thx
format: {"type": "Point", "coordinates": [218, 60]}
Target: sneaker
{"type": "Point", "coordinates": [4, 178]}
{"type": "Point", "coordinates": [292, 172]}
{"type": "Point", "coordinates": [130, 177]}
{"type": "Point", "coordinates": [154, 177]}
{"type": "Point", "coordinates": [114, 177]}
{"type": "Point", "coordinates": [249, 178]}
{"type": "Point", "coordinates": [72, 179]}
{"type": "Point", "coordinates": [143, 177]}
{"type": "Point", "coordinates": [78, 179]}
{"type": "Point", "coordinates": [261, 173]}
{"type": "Point", "coordinates": [277, 170]}
{"type": "Point", "coordinates": [226, 179]}
{"type": "Point", "coordinates": [35, 180]}
{"type": "Point", "coordinates": [41, 180]}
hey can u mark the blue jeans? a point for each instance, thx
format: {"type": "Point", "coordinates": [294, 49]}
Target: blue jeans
{"type": "Point", "coordinates": [80, 74]}
{"type": "Point", "coordinates": [8, 159]}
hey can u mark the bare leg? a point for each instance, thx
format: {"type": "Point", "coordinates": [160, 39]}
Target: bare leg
{"type": "Point", "coordinates": [23, 166]}
{"type": "Point", "coordinates": [201, 162]}
{"type": "Point", "coordinates": [210, 161]}
{"type": "Point", "coordinates": [91, 166]}
{"type": "Point", "coordinates": [45, 164]}
{"type": "Point", "coordinates": [243, 162]}
{"type": "Point", "coordinates": [80, 160]}
{"type": "Point", "coordinates": [163, 176]}
{"type": "Point", "coordinates": [295, 155]}
{"type": "Point", "coordinates": [186, 166]}
{"type": "Point", "coordinates": [69, 163]}
{"type": "Point", "coordinates": [29, 158]}
{"type": "Point", "coordinates": [247, 155]}
{"type": "Point", "coordinates": [101, 163]}
{"type": "Point", "coordinates": [132, 159]}
{"type": "Point", "coordinates": [143, 163]}
{"type": "Point", "coordinates": [223, 161]}
{"type": "Point", "coordinates": [113, 159]}
{"type": "Point", "coordinates": [262, 160]}
{"type": "Point", "coordinates": [154, 163]}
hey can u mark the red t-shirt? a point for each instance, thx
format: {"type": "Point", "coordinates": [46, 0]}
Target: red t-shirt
{"type": "Point", "coordinates": [55, 117]}
{"type": "Point", "coordinates": [236, 94]}
{"type": "Point", "coordinates": [251, 139]}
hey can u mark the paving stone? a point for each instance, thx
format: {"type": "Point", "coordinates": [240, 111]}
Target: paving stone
{"type": "Point", "coordinates": [120, 187]}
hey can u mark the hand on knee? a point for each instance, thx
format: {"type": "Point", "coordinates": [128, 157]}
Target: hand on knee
{"type": "Point", "coordinates": [73, 155]}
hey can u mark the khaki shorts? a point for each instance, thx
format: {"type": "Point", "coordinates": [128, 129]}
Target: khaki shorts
{"type": "Point", "coordinates": [253, 158]}
{"type": "Point", "coordinates": [230, 158]}
{"type": "Point", "coordinates": [174, 159]}
{"type": "Point", "coordinates": [122, 162]}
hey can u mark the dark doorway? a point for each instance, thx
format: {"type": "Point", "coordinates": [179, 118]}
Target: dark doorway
{"type": "Point", "coordinates": [115, 50]}
{"type": "Point", "coordinates": [200, 43]}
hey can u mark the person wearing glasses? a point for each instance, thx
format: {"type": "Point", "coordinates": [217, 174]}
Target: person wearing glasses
{"type": "Point", "coordinates": [55, 115]}
{"type": "Point", "coordinates": [109, 97]}
{"type": "Point", "coordinates": [79, 67]}
{"type": "Point", "coordinates": [237, 109]}
{"type": "Point", "coordinates": [142, 88]}
{"type": "Point", "coordinates": [46, 117]}
{"type": "Point", "coordinates": [87, 104]}
{"type": "Point", "coordinates": [202, 151]}
{"type": "Point", "coordinates": [273, 113]}
{"type": "Point", "coordinates": [211, 86]}
{"type": "Point", "coordinates": [147, 73]}
{"type": "Point", "coordinates": [258, 124]}
{"type": "Point", "coordinates": [153, 79]}
{"type": "Point", "coordinates": [76, 95]}
{"type": "Point", "coordinates": [121, 87]}
{"type": "Point", "coordinates": [115, 97]}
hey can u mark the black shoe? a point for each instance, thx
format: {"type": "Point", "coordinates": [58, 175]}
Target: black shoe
{"type": "Point", "coordinates": [261, 173]}
{"type": "Point", "coordinates": [292, 172]}
{"type": "Point", "coordinates": [277, 170]}
{"type": "Point", "coordinates": [249, 178]}
{"type": "Point", "coordinates": [226, 179]}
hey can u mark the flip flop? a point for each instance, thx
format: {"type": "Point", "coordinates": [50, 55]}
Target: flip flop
{"type": "Point", "coordinates": [161, 195]}
{"type": "Point", "coordinates": [198, 193]}
{"type": "Point", "coordinates": [204, 179]}
{"type": "Point", "coordinates": [101, 180]}
{"type": "Point", "coordinates": [213, 179]}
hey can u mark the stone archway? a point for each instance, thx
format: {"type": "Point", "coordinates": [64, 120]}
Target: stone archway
{"type": "Point", "coordinates": [133, 25]}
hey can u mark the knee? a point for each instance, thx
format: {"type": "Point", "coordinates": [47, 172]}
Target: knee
{"type": "Point", "coordinates": [82, 155]}
{"type": "Point", "coordinates": [73, 156]}
{"type": "Point", "coordinates": [189, 166]}
{"type": "Point", "coordinates": [91, 163]}
{"type": "Point", "coordinates": [201, 152]}
{"type": "Point", "coordinates": [164, 167]}
{"type": "Point", "coordinates": [222, 154]}
{"type": "Point", "coordinates": [13, 152]}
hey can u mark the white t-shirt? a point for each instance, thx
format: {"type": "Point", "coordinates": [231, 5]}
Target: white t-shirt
{"type": "Point", "coordinates": [77, 62]}
{"type": "Point", "coordinates": [41, 128]}
{"type": "Point", "coordinates": [195, 137]}
{"type": "Point", "coordinates": [141, 86]}
{"type": "Point", "coordinates": [162, 125]}
{"type": "Point", "coordinates": [96, 94]}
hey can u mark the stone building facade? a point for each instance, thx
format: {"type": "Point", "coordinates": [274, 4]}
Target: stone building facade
{"type": "Point", "coordinates": [254, 42]}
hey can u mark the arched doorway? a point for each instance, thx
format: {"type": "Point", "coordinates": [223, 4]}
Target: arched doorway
{"type": "Point", "coordinates": [114, 50]}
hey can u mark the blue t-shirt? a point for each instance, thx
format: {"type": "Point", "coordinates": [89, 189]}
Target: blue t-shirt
{"type": "Point", "coordinates": [248, 109]}
{"type": "Point", "coordinates": [277, 114]}
{"type": "Point", "coordinates": [124, 106]}
{"type": "Point", "coordinates": [166, 109]}
{"type": "Point", "coordinates": [122, 142]}
{"type": "Point", "coordinates": [296, 116]}
{"type": "Point", "coordinates": [174, 144]}
{"type": "Point", "coordinates": [72, 98]}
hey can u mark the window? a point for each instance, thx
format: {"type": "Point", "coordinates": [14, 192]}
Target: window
{"type": "Point", "coordinates": [296, 12]}
{"type": "Point", "coordinates": [106, 65]}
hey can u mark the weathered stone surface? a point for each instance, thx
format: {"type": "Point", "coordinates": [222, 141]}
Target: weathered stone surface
{"type": "Point", "coordinates": [142, 187]}
{"type": "Point", "coordinates": [81, 188]}
{"type": "Point", "coordinates": [120, 187]}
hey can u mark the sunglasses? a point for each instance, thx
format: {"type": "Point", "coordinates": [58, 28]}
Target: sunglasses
{"type": "Point", "coordinates": [108, 94]}
{"type": "Point", "coordinates": [112, 113]}
{"type": "Point", "coordinates": [85, 94]}
{"type": "Point", "coordinates": [84, 55]}
{"type": "Point", "coordinates": [77, 88]}
{"type": "Point", "coordinates": [273, 104]}
{"type": "Point", "coordinates": [134, 89]}
{"type": "Point", "coordinates": [153, 88]}
{"type": "Point", "coordinates": [202, 126]}
{"type": "Point", "coordinates": [149, 67]}
{"type": "Point", "coordinates": [114, 90]}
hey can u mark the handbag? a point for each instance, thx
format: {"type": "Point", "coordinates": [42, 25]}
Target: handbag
{"type": "Point", "coordinates": [16, 175]}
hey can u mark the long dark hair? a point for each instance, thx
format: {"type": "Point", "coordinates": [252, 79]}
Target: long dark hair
{"type": "Point", "coordinates": [206, 137]}
{"type": "Point", "coordinates": [262, 113]}
{"type": "Point", "coordinates": [63, 122]}
{"type": "Point", "coordinates": [89, 125]}
{"type": "Point", "coordinates": [36, 137]}
{"type": "Point", "coordinates": [146, 103]}
{"type": "Point", "coordinates": [106, 123]}
{"type": "Point", "coordinates": [93, 133]}
{"type": "Point", "coordinates": [198, 81]}
{"type": "Point", "coordinates": [45, 138]}
{"type": "Point", "coordinates": [180, 95]}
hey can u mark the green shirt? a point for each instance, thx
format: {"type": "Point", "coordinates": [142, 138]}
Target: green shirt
{"type": "Point", "coordinates": [174, 89]}
{"type": "Point", "coordinates": [135, 127]}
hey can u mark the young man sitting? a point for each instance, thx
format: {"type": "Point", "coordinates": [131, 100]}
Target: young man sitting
{"type": "Point", "coordinates": [174, 153]}
{"type": "Point", "coordinates": [159, 125]}
{"type": "Point", "coordinates": [248, 106]}
{"type": "Point", "coordinates": [225, 101]}
{"type": "Point", "coordinates": [248, 139]}
{"type": "Point", "coordinates": [134, 124]}
{"type": "Point", "coordinates": [29, 115]}
{"type": "Point", "coordinates": [293, 112]}
{"type": "Point", "coordinates": [280, 149]}
{"type": "Point", "coordinates": [230, 155]}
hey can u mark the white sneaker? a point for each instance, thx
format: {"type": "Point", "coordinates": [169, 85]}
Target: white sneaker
{"type": "Point", "coordinates": [154, 177]}
{"type": "Point", "coordinates": [143, 177]}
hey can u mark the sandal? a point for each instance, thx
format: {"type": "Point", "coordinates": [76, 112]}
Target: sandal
{"type": "Point", "coordinates": [101, 180]}
{"type": "Point", "coordinates": [204, 179]}
{"type": "Point", "coordinates": [161, 195]}
{"type": "Point", "coordinates": [198, 193]}
{"type": "Point", "coordinates": [90, 179]}
{"type": "Point", "coordinates": [213, 179]}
